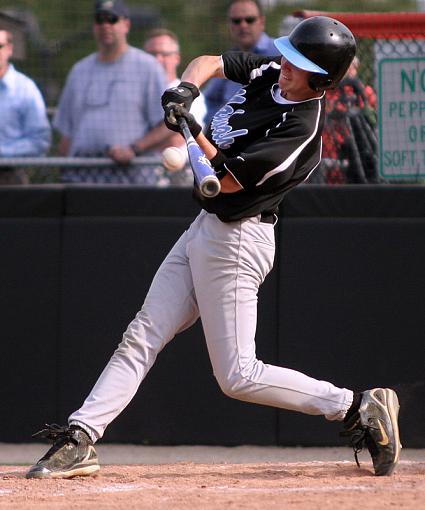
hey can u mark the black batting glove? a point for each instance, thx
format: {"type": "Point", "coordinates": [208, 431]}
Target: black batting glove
{"type": "Point", "coordinates": [176, 111]}
{"type": "Point", "coordinates": [184, 94]}
{"type": "Point", "coordinates": [170, 119]}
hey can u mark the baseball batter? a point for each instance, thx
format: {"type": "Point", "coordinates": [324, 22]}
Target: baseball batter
{"type": "Point", "coordinates": [262, 143]}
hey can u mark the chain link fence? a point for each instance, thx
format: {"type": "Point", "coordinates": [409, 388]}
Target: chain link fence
{"type": "Point", "coordinates": [375, 127]}
{"type": "Point", "coordinates": [374, 132]}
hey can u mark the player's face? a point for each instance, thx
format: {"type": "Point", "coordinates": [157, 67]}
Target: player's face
{"type": "Point", "coordinates": [110, 31]}
{"type": "Point", "coordinates": [6, 49]}
{"type": "Point", "coordinates": [246, 24]}
{"type": "Point", "coordinates": [293, 82]}
{"type": "Point", "coordinates": [166, 51]}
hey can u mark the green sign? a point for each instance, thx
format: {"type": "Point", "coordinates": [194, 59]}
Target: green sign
{"type": "Point", "coordinates": [401, 114]}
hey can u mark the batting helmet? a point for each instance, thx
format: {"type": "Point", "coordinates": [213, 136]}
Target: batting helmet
{"type": "Point", "coordinates": [321, 45]}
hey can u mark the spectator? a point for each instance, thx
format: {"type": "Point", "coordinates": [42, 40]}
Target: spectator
{"type": "Point", "coordinates": [164, 46]}
{"type": "Point", "coordinates": [246, 24]}
{"type": "Point", "coordinates": [24, 126]}
{"type": "Point", "coordinates": [111, 104]}
{"type": "Point", "coordinates": [352, 74]}
{"type": "Point", "coordinates": [349, 136]}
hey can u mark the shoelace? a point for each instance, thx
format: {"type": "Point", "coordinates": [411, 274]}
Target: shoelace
{"type": "Point", "coordinates": [357, 441]}
{"type": "Point", "coordinates": [53, 432]}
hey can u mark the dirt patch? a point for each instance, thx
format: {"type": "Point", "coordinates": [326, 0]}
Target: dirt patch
{"type": "Point", "coordinates": [190, 486]}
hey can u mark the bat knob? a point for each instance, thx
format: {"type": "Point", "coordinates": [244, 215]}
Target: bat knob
{"type": "Point", "coordinates": [210, 186]}
{"type": "Point", "coordinates": [171, 116]}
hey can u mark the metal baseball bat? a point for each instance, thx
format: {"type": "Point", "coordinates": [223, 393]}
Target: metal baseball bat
{"type": "Point", "coordinates": [203, 172]}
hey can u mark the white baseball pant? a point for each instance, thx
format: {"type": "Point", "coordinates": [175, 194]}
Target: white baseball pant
{"type": "Point", "coordinates": [213, 271]}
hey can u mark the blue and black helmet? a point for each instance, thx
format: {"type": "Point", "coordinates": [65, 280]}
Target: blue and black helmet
{"type": "Point", "coordinates": [321, 45]}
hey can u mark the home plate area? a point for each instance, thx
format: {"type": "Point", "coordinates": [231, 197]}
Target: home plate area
{"type": "Point", "coordinates": [192, 486]}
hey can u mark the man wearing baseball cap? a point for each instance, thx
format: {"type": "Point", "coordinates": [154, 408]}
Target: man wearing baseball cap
{"type": "Point", "coordinates": [114, 7]}
{"type": "Point", "coordinates": [111, 106]}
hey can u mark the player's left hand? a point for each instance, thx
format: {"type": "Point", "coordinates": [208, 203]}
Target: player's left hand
{"type": "Point", "coordinates": [181, 111]}
{"type": "Point", "coordinates": [184, 94]}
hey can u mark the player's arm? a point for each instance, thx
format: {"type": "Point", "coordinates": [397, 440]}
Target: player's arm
{"type": "Point", "coordinates": [194, 76]}
{"type": "Point", "coordinates": [233, 65]}
{"type": "Point", "coordinates": [176, 110]}
{"type": "Point", "coordinates": [242, 67]}
{"type": "Point", "coordinates": [228, 183]}
{"type": "Point", "coordinates": [202, 68]}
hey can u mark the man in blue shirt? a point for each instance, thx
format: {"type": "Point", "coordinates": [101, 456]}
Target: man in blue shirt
{"type": "Point", "coordinates": [246, 24]}
{"type": "Point", "coordinates": [111, 105]}
{"type": "Point", "coordinates": [24, 126]}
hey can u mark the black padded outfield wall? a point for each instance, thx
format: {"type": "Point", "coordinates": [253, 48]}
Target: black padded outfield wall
{"type": "Point", "coordinates": [344, 302]}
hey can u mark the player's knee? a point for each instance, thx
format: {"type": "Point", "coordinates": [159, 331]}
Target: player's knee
{"type": "Point", "coordinates": [236, 386]}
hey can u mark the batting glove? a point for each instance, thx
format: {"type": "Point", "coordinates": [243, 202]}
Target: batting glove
{"type": "Point", "coordinates": [177, 111]}
{"type": "Point", "coordinates": [184, 94]}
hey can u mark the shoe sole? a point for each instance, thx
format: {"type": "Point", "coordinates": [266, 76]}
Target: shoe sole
{"type": "Point", "coordinates": [78, 471]}
{"type": "Point", "coordinates": [392, 406]}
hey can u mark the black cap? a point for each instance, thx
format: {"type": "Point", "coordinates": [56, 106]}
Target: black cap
{"type": "Point", "coordinates": [116, 7]}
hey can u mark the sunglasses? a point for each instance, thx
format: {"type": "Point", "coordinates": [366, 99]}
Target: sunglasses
{"type": "Point", "coordinates": [248, 19]}
{"type": "Point", "coordinates": [101, 18]}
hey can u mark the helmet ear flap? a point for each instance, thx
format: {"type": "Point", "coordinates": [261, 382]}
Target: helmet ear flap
{"type": "Point", "coordinates": [319, 82]}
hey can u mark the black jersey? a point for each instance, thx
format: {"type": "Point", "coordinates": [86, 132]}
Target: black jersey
{"type": "Point", "coordinates": [270, 144]}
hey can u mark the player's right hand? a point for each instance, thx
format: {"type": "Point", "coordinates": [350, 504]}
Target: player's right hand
{"type": "Point", "coordinates": [170, 119]}
{"type": "Point", "coordinates": [177, 111]}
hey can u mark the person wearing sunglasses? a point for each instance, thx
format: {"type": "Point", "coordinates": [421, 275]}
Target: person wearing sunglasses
{"type": "Point", "coordinates": [246, 22]}
{"type": "Point", "coordinates": [24, 126]}
{"type": "Point", "coordinates": [111, 106]}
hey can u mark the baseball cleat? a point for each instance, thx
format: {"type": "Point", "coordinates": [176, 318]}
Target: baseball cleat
{"type": "Point", "coordinates": [375, 423]}
{"type": "Point", "coordinates": [72, 454]}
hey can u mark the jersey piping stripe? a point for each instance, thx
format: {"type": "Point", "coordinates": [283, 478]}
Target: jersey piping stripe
{"type": "Point", "coordinates": [222, 65]}
{"type": "Point", "coordinates": [285, 164]}
{"type": "Point", "coordinates": [230, 172]}
{"type": "Point", "coordinates": [255, 73]}
{"type": "Point", "coordinates": [315, 166]}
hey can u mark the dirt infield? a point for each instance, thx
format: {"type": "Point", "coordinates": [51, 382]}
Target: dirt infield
{"type": "Point", "coordinates": [193, 486]}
